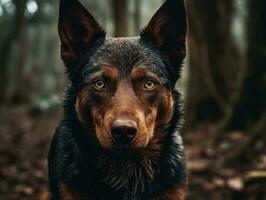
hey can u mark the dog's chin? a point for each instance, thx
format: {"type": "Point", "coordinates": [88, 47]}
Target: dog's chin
{"type": "Point", "coordinates": [124, 149]}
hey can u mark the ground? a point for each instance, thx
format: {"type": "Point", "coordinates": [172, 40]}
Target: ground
{"type": "Point", "coordinates": [25, 136]}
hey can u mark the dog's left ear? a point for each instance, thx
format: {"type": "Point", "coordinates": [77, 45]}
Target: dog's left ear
{"type": "Point", "coordinates": [167, 30]}
{"type": "Point", "coordinates": [78, 29]}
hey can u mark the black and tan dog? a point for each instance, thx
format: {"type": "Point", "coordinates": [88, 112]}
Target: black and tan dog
{"type": "Point", "coordinates": [119, 133]}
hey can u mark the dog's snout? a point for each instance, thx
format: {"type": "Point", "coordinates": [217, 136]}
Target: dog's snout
{"type": "Point", "coordinates": [124, 131]}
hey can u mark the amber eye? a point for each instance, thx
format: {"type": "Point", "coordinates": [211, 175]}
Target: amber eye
{"type": "Point", "coordinates": [98, 84]}
{"type": "Point", "coordinates": [150, 85]}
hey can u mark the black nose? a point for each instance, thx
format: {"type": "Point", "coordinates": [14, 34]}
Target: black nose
{"type": "Point", "coordinates": [124, 131]}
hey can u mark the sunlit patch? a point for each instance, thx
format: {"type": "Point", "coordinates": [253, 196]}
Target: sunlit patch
{"type": "Point", "coordinates": [5, 1]}
{"type": "Point", "coordinates": [32, 6]}
{"type": "Point", "coordinates": [8, 6]}
{"type": "Point", "coordinates": [47, 8]}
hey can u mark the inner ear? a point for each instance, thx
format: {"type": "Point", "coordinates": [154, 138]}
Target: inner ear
{"type": "Point", "coordinates": [78, 29]}
{"type": "Point", "coordinates": [168, 28]}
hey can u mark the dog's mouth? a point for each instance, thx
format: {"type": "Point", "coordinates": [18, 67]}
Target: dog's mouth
{"type": "Point", "coordinates": [125, 152]}
{"type": "Point", "coordinates": [129, 148]}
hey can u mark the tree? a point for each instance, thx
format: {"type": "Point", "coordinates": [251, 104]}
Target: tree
{"type": "Point", "coordinates": [19, 94]}
{"type": "Point", "coordinates": [120, 13]}
{"type": "Point", "coordinates": [137, 15]}
{"type": "Point", "coordinates": [5, 53]}
{"type": "Point", "coordinates": [249, 110]}
{"type": "Point", "coordinates": [213, 60]}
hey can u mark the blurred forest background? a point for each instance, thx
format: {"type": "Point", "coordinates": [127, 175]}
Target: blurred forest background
{"type": "Point", "coordinates": [224, 87]}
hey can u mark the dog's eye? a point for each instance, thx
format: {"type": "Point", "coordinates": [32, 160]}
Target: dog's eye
{"type": "Point", "coordinates": [150, 85]}
{"type": "Point", "coordinates": [98, 84]}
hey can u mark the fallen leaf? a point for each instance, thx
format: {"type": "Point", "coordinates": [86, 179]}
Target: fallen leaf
{"type": "Point", "coordinates": [197, 165]}
{"type": "Point", "coordinates": [209, 186]}
{"type": "Point", "coordinates": [235, 183]}
{"type": "Point", "coordinates": [219, 182]}
{"type": "Point", "coordinates": [256, 174]}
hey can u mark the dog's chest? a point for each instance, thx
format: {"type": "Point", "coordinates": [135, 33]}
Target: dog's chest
{"type": "Point", "coordinates": [68, 193]}
{"type": "Point", "coordinates": [134, 185]}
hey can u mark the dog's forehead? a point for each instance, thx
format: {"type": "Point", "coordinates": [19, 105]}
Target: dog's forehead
{"type": "Point", "coordinates": [123, 39]}
{"type": "Point", "coordinates": [125, 53]}
{"type": "Point", "coordinates": [123, 45]}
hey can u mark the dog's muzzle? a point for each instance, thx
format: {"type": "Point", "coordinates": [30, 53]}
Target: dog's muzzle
{"type": "Point", "coordinates": [124, 131]}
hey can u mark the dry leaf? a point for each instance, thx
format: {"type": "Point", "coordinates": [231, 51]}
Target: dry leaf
{"type": "Point", "coordinates": [235, 183]}
{"type": "Point", "coordinates": [198, 165]}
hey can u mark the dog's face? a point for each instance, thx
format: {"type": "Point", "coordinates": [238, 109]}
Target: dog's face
{"type": "Point", "coordinates": [124, 85]}
{"type": "Point", "coordinates": [125, 94]}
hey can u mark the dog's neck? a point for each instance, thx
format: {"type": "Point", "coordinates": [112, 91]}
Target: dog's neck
{"type": "Point", "coordinates": [128, 172]}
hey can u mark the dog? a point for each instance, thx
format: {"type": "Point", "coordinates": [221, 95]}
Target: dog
{"type": "Point", "coordinates": [118, 137]}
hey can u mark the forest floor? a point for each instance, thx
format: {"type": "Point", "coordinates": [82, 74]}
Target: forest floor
{"type": "Point", "coordinates": [25, 137]}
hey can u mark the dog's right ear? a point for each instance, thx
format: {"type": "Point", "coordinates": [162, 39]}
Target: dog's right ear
{"type": "Point", "coordinates": [167, 31]}
{"type": "Point", "coordinates": [77, 30]}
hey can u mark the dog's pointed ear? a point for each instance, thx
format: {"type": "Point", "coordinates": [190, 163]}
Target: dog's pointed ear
{"type": "Point", "coordinates": [77, 30]}
{"type": "Point", "coordinates": [168, 28]}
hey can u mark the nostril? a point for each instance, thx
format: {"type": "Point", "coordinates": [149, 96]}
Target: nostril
{"type": "Point", "coordinates": [131, 131]}
{"type": "Point", "coordinates": [124, 132]}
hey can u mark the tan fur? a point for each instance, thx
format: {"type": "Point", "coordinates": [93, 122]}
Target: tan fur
{"type": "Point", "coordinates": [173, 194]}
{"type": "Point", "coordinates": [69, 194]}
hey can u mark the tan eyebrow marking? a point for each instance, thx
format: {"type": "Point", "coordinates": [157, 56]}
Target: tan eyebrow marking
{"type": "Point", "coordinates": [110, 72]}
{"type": "Point", "coordinates": [141, 73]}
{"type": "Point", "coordinates": [138, 73]}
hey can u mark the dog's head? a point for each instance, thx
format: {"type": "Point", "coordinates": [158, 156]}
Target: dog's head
{"type": "Point", "coordinates": [124, 85]}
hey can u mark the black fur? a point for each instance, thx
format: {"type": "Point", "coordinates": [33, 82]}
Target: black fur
{"type": "Point", "coordinates": [76, 157]}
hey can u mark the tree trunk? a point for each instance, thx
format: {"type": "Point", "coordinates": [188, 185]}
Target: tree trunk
{"type": "Point", "coordinates": [213, 60]}
{"type": "Point", "coordinates": [120, 13]}
{"type": "Point", "coordinates": [251, 103]}
{"type": "Point", "coordinates": [137, 16]}
{"type": "Point", "coordinates": [5, 52]}
{"type": "Point", "coordinates": [19, 93]}
{"type": "Point", "coordinates": [249, 111]}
